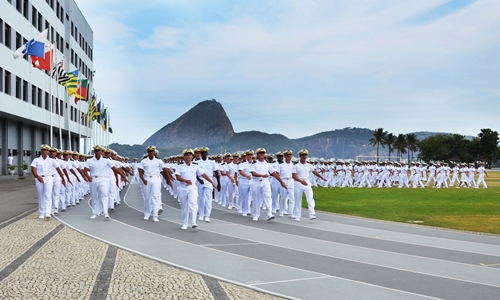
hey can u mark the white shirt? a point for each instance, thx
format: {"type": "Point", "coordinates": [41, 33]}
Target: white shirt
{"type": "Point", "coordinates": [262, 168]}
{"type": "Point", "coordinates": [151, 167]}
{"type": "Point", "coordinates": [208, 167]}
{"type": "Point", "coordinates": [247, 168]}
{"type": "Point", "coordinates": [189, 173]}
{"type": "Point", "coordinates": [10, 160]}
{"type": "Point", "coordinates": [99, 167]}
{"type": "Point", "coordinates": [285, 170]}
{"type": "Point", "coordinates": [302, 170]}
{"type": "Point", "coordinates": [45, 167]}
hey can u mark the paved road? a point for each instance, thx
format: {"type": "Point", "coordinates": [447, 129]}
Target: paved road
{"type": "Point", "coordinates": [47, 260]}
{"type": "Point", "coordinates": [331, 257]}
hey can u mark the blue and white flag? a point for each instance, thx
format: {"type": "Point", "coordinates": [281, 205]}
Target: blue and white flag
{"type": "Point", "coordinates": [34, 47]}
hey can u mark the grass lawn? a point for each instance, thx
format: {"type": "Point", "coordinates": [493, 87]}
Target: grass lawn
{"type": "Point", "coordinates": [464, 209]}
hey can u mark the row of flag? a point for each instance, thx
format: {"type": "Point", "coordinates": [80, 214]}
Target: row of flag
{"type": "Point", "coordinates": [98, 113]}
{"type": "Point", "coordinates": [41, 53]}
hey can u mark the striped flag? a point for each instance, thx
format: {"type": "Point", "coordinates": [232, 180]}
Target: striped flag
{"type": "Point", "coordinates": [58, 72]}
{"type": "Point", "coordinates": [109, 124]}
{"type": "Point", "coordinates": [104, 119]}
{"type": "Point", "coordinates": [92, 108]}
{"type": "Point", "coordinates": [72, 83]}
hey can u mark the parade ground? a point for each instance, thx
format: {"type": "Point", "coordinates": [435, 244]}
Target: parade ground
{"type": "Point", "coordinates": [333, 257]}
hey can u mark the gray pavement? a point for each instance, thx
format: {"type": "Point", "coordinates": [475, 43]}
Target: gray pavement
{"type": "Point", "coordinates": [49, 260]}
{"type": "Point", "coordinates": [234, 258]}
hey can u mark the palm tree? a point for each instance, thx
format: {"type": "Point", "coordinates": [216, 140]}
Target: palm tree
{"type": "Point", "coordinates": [389, 141]}
{"type": "Point", "coordinates": [411, 144]}
{"type": "Point", "coordinates": [400, 145]}
{"type": "Point", "coordinates": [378, 139]}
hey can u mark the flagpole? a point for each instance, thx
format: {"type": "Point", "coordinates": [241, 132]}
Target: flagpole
{"type": "Point", "coordinates": [50, 99]}
{"type": "Point", "coordinates": [66, 96]}
{"type": "Point", "coordinates": [59, 118]}
{"type": "Point", "coordinates": [106, 125]}
{"type": "Point", "coordinates": [78, 121]}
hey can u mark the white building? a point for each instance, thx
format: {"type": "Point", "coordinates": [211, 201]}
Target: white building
{"type": "Point", "coordinates": [25, 117]}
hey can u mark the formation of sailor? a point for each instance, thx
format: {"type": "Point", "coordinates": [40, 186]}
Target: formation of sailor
{"type": "Point", "coordinates": [249, 182]}
{"type": "Point", "coordinates": [398, 174]}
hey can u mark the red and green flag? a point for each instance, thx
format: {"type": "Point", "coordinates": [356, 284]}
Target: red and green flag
{"type": "Point", "coordinates": [81, 91]}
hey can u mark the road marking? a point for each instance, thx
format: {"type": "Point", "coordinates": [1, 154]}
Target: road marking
{"type": "Point", "coordinates": [490, 265]}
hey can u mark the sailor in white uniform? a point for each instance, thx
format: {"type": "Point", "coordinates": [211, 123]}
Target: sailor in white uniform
{"type": "Point", "coordinates": [186, 174]}
{"type": "Point", "coordinates": [44, 169]}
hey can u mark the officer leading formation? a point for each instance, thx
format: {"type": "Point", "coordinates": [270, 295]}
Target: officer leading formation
{"type": "Point", "coordinates": [247, 182]}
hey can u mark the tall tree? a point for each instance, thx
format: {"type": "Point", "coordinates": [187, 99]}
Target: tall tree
{"type": "Point", "coordinates": [389, 142]}
{"type": "Point", "coordinates": [488, 140]}
{"type": "Point", "coordinates": [400, 145]}
{"type": "Point", "coordinates": [411, 144]}
{"type": "Point", "coordinates": [378, 139]}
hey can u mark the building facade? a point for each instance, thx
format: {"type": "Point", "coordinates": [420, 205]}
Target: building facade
{"type": "Point", "coordinates": [34, 109]}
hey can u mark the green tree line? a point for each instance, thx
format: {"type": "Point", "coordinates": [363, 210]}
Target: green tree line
{"type": "Point", "coordinates": [440, 147]}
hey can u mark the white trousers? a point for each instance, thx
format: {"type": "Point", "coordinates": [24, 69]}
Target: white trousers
{"type": "Point", "coordinates": [44, 192]}
{"type": "Point", "coordinates": [300, 189]}
{"type": "Point", "coordinates": [205, 200]}
{"type": "Point", "coordinates": [99, 190]}
{"type": "Point", "coordinates": [287, 200]}
{"type": "Point", "coordinates": [480, 180]}
{"type": "Point", "coordinates": [275, 193]}
{"type": "Point", "coordinates": [188, 197]}
{"type": "Point", "coordinates": [261, 195]}
{"type": "Point", "coordinates": [152, 196]}
{"type": "Point", "coordinates": [244, 190]}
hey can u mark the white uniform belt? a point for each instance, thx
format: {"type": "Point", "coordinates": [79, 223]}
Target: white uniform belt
{"type": "Point", "coordinates": [48, 175]}
{"type": "Point", "coordinates": [286, 178]}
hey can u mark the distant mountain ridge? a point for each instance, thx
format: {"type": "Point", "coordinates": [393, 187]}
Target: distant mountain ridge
{"type": "Point", "coordinates": [207, 124]}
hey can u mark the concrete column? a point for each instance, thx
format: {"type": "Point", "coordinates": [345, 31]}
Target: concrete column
{"type": "Point", "coordinates": [20, 147]}
{"type": "Point", "coordinates": [5, 146]}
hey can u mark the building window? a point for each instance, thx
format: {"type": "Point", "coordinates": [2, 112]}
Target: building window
{"type": "Point", "coordinates": [40, 22]}
{"type": "Point", "coordinates": [33, 17]}
{"type": "Point", "coordinates": [33, 94]}
{"type": "Point", "coordinates": [72, 56]}
{"type": "Point", "coordinates": [7, 83]}
{"type": "Point", "coordinates": [1, 80]}
{"type": "Point", "coordinates": [26, 8]}
{"type": "Point", "coordinates": [39, 97]}
{"type": "Point", "coordinates": [47, 107]}
{"type": "Point", "coordinates": [19, 3]}
{"type": "Point", "coordinates": [25, 91]}
{"type": "Point", "coordinates": [18, 87]}
{"type": "Point", "coordinates": [7, 41]}
{"type": "Point", "coordinates": [1, 31]}
{"type": "Point", "coordinates": [61, 106]}
{"type": "Point", "coordinates": [19, 40]}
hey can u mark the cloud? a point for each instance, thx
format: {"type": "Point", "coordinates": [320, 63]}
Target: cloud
{"type": "Point", "coordinates": [163, 37]}
{"type": "Point", "coordinates": [298, 67]}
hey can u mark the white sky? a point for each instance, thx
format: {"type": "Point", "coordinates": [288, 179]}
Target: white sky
{"type": "Point", "coordinates": [299, 67]}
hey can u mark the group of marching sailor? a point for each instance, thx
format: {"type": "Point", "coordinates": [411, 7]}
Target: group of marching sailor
{"type": "Point", "coordinates": [247, 182]}
{"type": "Point", "coordinates": [399, 174]}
